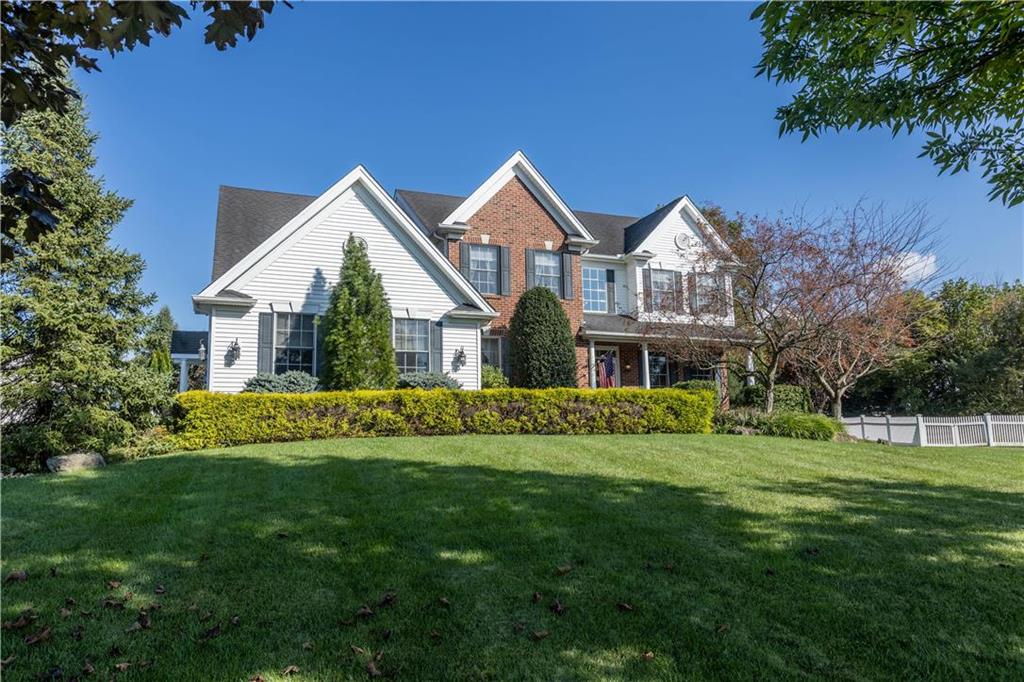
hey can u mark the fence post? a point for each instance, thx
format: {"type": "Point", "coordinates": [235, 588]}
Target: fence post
{"type": "Point", "coordinates": [989, 437]}
{"type": "Point", "coordinates": [888, 429]}
{"type": "Point", "coordinates": [922, 434]}
{"type": "Point", "coordinates": [863, 430]}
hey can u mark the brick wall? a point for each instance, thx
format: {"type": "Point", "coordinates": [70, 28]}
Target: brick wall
{"type": "Point", "coordinates": [514, 218]}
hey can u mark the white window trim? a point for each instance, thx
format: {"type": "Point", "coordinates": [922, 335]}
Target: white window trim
{"type": "Point", "coordinates": [316, 332]}
{"type": "Point", "coordinates": [496, 250]}
{"type": "Point", "coordinates": [583, 288]}
{"type": "Point", "coordinates": [430, 333]}
{"type": "Point", "coordinates": [496, 338]}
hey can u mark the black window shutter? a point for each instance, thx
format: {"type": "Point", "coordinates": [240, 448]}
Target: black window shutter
{"type": "Point", "coordinates": [503, 263]}
{"type": "Point", "coordinates": [610, 287]}
{"type": "Point", "coordinates": [691, 286]}
{"type": "Point", "coordinates": [464, 259]}
{"type": "Point", "coordinates": [437, 347]}
{"type": "Point", "coordinates": [679, 295]}
{"type": "Point", "coordinates": [318, 330]}
{"type": "Point", "coordinates": [504, 355]}
{"type": "Point", "coordinates": [567, 292]}
{"type": "Point", "coordinates": [265, 344]}
{"type": "Point", "coordinates": [647, 290]}
{"type": "Point", "coordinates": [531, 279]}
{"type": "Point", "coordinates": [673, 372]}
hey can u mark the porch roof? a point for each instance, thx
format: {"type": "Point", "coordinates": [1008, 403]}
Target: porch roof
{"type": "Point", "coordinates": [626, 328]}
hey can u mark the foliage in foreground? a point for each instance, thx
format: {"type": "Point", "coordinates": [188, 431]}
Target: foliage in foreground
{"type": "Point", "coordinates": [492, 377]}
{"type": "Point", "coordinates": [951, 68]}
{"type": "Point", "coordinates": [293, 381]}
{"type": "Point", "coordinates": [542, 353]}
{"type": "Point", "coordinates": [72, 309]}
{"type": "Point", "coordinates": [204, 420]}
{"type": "Point", "coordinates": [785, 424]}
{"type": "Point", "coordinates": [427, 380]}
{"type": "Point", "coordinates": [788, 397]}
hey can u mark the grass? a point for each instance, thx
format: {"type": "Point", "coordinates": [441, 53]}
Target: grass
{"type": "Point", "coordinates": [741, 558]}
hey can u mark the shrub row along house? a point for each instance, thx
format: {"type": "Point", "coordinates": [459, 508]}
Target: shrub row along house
{"type": "Point", "coordinates": [453, 269]}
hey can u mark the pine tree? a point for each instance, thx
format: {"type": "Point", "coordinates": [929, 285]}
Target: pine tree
{"type": "Point", "coordinates": [357, 327]}
{"type": "Point", "coordinates": [71, 308]}
{"type": "Point", "coordinates": [541, 349]}
{"type": "Point", "coordinates": [158, 336]}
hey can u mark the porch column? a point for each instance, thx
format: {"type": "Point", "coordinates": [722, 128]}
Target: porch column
{"type": "Point", "coordinates": [183, 375]}
{"type": "Point", "coordinates": [645, 365]}
{"type": "Point", "coordinates": [592, 363]}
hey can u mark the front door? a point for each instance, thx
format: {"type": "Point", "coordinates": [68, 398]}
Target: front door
{"type": "Point", "coordinates": [609, 369]}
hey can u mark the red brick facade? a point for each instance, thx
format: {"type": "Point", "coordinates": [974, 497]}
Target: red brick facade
{"type": "Point", "coordinates": [514, 218]}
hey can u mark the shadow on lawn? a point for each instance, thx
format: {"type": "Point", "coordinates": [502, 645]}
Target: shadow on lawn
{"type": "Point", "coordinates": [853, 578]}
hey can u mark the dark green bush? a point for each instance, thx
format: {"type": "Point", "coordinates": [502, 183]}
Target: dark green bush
{"type": "Point", "coordinates": [541, 349]}
{"type": "Point", "coordinates": [697, 385]}
{"type": "Point", "coordinates": [288, 382]}
{"type": "Point", "coordinates": [492, 377]}
{"type": "Point", "coordinates": [788, 398]}
{"type": "Point", "coordinates": [203, 419]}
{"type": "Point", "coordinates": [427, 380]}
{"type": "Point", "coordinates": [787, 424]}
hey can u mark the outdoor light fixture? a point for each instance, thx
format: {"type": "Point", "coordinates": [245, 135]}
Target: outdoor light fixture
{"type": "Point", "coordinates": [202, 351]}
{"type": "Point", "coordinates": [460, 358]}
{"type": "Point", "coordinates": [234, 350]}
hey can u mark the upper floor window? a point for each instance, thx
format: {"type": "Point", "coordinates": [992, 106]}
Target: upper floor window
{"type": "Point", "coordinates": [294, 343]}
{"type": "Point", "coordinates": [595, 290]}
{"type": "Point", "coordinates": [412, 345]}
{"type": "Point", "coordinates": [663, 291]}
{"type": "Point", "coordinates": [709, 295]}
{"type": "Point", "coordinates": [483, 268]}
{"type": "Point", "coordinates": [547, 271]}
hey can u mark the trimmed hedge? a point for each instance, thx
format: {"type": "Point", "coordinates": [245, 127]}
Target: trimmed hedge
{"type": "Point", "coordinates": [785, 424]}
{"type": "Point", "coordinates": [203, 419]}
{"type": "Point", "coordinates": [788, 398]}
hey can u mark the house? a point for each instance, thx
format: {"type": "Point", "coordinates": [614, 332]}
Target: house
{"type": "Point", "coordinates": [453, 268]}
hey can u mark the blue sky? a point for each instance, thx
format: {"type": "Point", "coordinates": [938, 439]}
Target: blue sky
{"type": "Point", "coordinates": [622, 107]}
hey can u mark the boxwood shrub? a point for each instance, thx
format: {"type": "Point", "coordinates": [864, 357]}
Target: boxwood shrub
{"type": "Point", "coordinates": [203, 419]}
{"type": "Point", "coordinates": [788, 398]}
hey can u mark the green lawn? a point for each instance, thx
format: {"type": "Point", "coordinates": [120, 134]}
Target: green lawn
{"type": "Point", "coordinates": [740, 558]}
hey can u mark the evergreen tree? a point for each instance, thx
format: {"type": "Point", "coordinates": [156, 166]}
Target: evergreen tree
{"type": "Point", "coordinates": [160, 361]}
{"type": "Point", "coordinates": [158, 336]}
{"type": "Point", "coordinates": [541, 349]}
{"type": "Point", "coordinates": [71, 308]}
{"type": "Point", "coordinates": [357, 327]}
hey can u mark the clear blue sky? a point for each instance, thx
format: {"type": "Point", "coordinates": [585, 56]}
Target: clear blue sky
{"type": "Point", "coordinates": [621, 107]}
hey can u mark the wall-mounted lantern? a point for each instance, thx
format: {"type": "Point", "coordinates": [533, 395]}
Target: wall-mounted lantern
{"type": "Point", "coordinates": [202, 351]}
{"type": "Point", "coordinates": [234, 350]}
{"type": "Point", "coordinates": [459, 361]}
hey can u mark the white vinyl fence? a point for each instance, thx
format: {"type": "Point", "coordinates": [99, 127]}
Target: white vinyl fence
{"type": "Point", "coordinates": [987, 429]}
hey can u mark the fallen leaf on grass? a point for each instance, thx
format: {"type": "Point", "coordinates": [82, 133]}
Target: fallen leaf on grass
{"type": "Point", "coordinates": [160, 589]}
{"type": "Point", "coordinates": [364, 612]}
{"type": "Point", "coordinates": [540, 634]}
{"type": "Point", "coordinates": [69, 602]}
{"type": "Point", "coordinates": [443, 601]}
{"type": "Point", "coordinates": [121, 667]}
{"type": "Point", "coordinates": [24, 619]}
{"type": "Point", "coordinates": [41, 636]}
{"type": "Point", "coordinates": [85, 614]}
{"type": "Point", "coordinates": [207, 615]}
{"type": "Point", "coordinates": [723, 628]}
{"type": "Point", "coordinates": [88, 668]}
{"type": "Point", "coordinates": [257, 678]}
{"type": "Point", "coordinates": [562, 570]}
{"type": "Point", "coordinates": [388, 599]}
{"type": "Point", "coordinates": [372, 670]}
{"type": "Point", "coordinates": [6, 662]}
{"type": "Point", "coordinates": [235, 620]}
{"type": "Point", "coordinates": [211, 633]}
{"type": "Point", "coordinates": [282, 535]}
{"type": "Point", "coordinates": [357, 650]}
{"type": "Point", "coordinates": [290, 670]}
{"type": "Point", "coordinates": [536, 597]}
{"type": "Point", "coordinates": [65, 612]}
{"type": "Point", "coordinates": [647, 655]}
{"type": "Point", "coordinates": [519, 627]}
{"type": "Point", "coordinates": [133, 628]}
{"type": "Point", "coordinates": [113, 584]}
{"type": "Point", "coordinates": [111, 603]}
{"type": "Point", "coordinates": [624, 606]}
{"type": "Point", "coordinates": [307, 645]}
{"type": "Point", "coordinates": [557, 608]}
{"type": "Point", "coordinates": [16, 576]}
{"type": "Point", "coordinates": [347, 622]}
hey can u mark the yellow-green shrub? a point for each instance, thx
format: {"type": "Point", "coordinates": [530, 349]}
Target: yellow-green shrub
{"type": "Point", "coordinates": [203, 419]}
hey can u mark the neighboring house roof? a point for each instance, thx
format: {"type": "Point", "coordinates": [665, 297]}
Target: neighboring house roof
{"type": "Point", "coordinates": [186, 342]}
{"type": "Point", "coordinates": [246, 217]}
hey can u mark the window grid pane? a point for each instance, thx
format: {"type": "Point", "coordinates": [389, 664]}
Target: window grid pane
{"type": "Point", "coordinates": [595, 290]}
{"type": "Point", "coordinates": [706, 292]}
{"type": "Point", "coordinates": [490, 348]}
{"type": "Point", "coordinates": [412, 345]}
{"type": "Point", "coordinates": [483, 268]}
{"type": "Point", "coordinates": [659, 370]}
{"type": "Point", "coordinates": [293, 343]}
{"type": "Point", "coordinates": [547, 271]}
{"type": "Point", "coordinates": [663, 297]}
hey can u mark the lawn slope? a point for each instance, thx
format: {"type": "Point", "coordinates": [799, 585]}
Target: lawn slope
{"type": "Point", "coordinates": [653, 557]}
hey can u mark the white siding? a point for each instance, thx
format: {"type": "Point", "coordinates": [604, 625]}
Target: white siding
{"type": "Point", "coordinates": [467, 337]}
{"type": "Point", "coordinates": [302, 272]}
{"type": "Point", "coordinates": [668, 256]}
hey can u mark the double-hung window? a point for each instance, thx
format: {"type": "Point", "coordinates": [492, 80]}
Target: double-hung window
{"type": "Point", "coordinates": [663, 291]}
{"type": "Point", "coordinates": [490, 348]}
{"type": "Point", "coordinates": [547, 270]}
{"type": "Point", "coordinates": [659, 370]}
{"type": "Point", "coordinates": [483, 268]}
{"type": "Point", "coordinates": [709, 293]}
{"type": "Point", "coordinates": [595, 290]}
{"type": "Point", "coordinates": [412, 345]}
{"type": "Point", "coordinates": [294, 343]}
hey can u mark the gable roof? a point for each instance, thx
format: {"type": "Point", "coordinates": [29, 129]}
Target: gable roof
{"type": "Point", "coordinates": [245, 218]}
{"type": "Point", "coordinates": [518, 166]}
{"type": "Point", "coordinates": [186, 342]}
{"type": "Point", "coordinates": [357, 178]}
{"type": "Point", "coordinates": [639, 230]}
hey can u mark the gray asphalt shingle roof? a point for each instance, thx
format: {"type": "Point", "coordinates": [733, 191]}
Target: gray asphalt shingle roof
{"type": "Point", "coordinates": [186, 342]}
